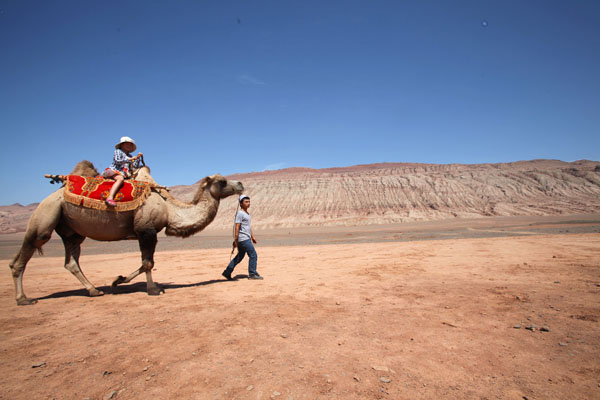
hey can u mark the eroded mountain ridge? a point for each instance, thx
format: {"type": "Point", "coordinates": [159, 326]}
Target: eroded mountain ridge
{"type": "Point", "coordinates": [397, 192]}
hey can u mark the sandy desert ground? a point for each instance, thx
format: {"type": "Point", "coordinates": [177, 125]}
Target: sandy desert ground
{"type": "Point", "coordinates": [407, 312]}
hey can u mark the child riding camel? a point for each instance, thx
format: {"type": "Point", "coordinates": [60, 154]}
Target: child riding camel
{"type": "Point", "coordinates": [119, 169]}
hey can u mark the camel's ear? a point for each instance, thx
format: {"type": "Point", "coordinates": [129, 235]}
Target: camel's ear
{"type": "Point", "coordinates": [206, 181]}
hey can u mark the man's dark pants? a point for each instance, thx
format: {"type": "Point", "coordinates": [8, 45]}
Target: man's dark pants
{"type": "Point", "coordinates": [245, 247]}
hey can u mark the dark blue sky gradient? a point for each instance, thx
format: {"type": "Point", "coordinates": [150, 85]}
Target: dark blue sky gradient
{"type": "Point", "coordinates": [241, 86]}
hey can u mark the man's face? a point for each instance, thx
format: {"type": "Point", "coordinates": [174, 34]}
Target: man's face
{"type": "Point", "coordinates": [245, 203]}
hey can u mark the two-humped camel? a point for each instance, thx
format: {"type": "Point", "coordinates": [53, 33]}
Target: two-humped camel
{"type": "Point", "coordinates": [74, 223]}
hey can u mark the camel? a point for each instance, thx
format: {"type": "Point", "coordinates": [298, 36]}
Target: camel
{"type": "Point", "coordinates": [74, 223]}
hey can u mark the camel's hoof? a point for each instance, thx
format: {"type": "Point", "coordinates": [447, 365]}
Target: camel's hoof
{"type": "Point", "coordinates": [120, 279]}
{"type": "Point", "coordinates": [155, 290]}
{"type": "Point", "coordinates": [24, 301]}
{"type": "Point", "coordinates": [95, 292]}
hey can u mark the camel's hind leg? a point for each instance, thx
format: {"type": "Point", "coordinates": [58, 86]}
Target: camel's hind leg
{"type": "Point", "coordinates": [17, 268]}
{"type": "Point", "coordinates": [39, 230]}
{"type": "Point", "coordinates": [72, 242]}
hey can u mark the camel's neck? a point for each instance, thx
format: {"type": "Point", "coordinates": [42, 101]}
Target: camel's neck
{"type": "Point", "coordinates": [185, 219]}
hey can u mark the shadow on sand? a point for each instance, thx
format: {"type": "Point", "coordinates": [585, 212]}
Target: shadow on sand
{"type": "Point", "coordinates": [134, 288]}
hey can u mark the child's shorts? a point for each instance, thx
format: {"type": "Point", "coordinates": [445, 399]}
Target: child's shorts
{"type": "Point", "coordinates": [110, 173]}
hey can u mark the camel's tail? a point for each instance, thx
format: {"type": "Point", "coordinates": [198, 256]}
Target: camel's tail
{"type": "Point", "coordinates": [28, 243]}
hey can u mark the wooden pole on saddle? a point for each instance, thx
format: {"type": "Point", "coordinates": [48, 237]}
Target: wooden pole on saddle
{"type": "Point", "coordinates": [55, 178]}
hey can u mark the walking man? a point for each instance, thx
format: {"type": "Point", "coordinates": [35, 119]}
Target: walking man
{"type": "Point", "coordinates": [243, 239]}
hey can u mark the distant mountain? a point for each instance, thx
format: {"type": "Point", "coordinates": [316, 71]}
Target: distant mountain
{"type": "Point", "coordinates": [14, 218]}
{"type": "Point", "coordinates": [400, 192]}
{"type": "Point", "coordinates": [397, 192]}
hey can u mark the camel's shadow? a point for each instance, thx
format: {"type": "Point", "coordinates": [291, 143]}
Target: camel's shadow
{"type": "Point", "coordinates": [134, 288]}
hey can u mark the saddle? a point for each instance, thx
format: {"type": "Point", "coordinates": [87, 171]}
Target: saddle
{"type": "Point", "coordinates": [91, 191]}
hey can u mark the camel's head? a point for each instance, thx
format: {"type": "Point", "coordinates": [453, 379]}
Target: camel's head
{"type": "Point", "coordinates": [219, 187]}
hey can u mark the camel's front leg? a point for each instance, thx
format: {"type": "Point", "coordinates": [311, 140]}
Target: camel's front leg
{"type": "Point", "coordinates": [72, 242]}
{"type": "Point", "coordinates": [126, 279]}
{"type": "Point", "coordinates": [147, 240]}
{"type": "Point", "coordinates": [152, 288]}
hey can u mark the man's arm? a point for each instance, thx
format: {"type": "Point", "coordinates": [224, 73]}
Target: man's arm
{"type": "Point", "coordinates": [236, 234]}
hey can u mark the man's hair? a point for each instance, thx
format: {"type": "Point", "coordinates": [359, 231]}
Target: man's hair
{"type": "Point", "coordinates": [244, 199]}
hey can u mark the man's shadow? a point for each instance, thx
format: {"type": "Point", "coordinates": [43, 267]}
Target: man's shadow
{"type": "Point", "coordinates": [135, 288]}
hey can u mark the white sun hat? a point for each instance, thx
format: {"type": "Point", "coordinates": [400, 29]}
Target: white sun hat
{"type": "Point", "coordinates": [243, 196]}
{"type": "Point", "coordinates": [126, 139]}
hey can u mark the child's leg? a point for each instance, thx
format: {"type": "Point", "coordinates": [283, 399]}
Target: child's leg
{"type": "Point", "coordinates": [115, 187]}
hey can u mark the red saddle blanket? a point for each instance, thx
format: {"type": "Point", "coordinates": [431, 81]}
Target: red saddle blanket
{"type": "Point", "coordinates": [91, 191]}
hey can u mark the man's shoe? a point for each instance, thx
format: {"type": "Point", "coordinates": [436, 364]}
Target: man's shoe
{"type": "Point", "coordinates": [255, 276]}
{"type": "Point", "coordinates": [227, 274]}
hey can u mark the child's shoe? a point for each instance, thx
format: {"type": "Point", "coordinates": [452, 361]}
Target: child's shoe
{"type": "Point", "coordinates": [110, 202]}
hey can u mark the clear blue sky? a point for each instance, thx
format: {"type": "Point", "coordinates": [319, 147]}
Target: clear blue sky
{"type": "Point", "coordinates": [240, 86]}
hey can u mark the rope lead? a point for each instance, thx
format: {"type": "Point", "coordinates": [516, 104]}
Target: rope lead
{"type": "Point", "coordinates": [233, 232]}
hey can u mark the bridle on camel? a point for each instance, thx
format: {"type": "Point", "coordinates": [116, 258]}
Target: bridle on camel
{"type": "Point", "coordinates": [134, 172]}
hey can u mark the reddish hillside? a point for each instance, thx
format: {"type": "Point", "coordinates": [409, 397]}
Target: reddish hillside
{"type": "Point", "coordinates": [14, 218]}
{"type": "Point", "coordinates": [397, 192]}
